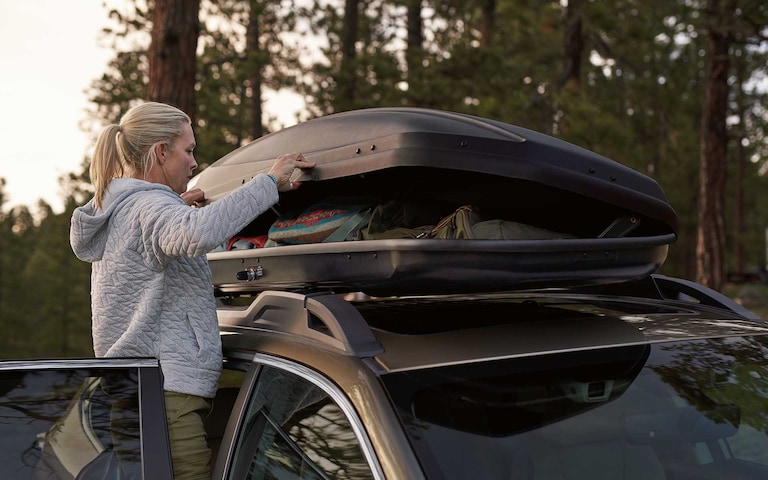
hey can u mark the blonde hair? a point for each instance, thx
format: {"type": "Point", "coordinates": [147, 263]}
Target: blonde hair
{"type": "Point", "coordinates": [129, 148]}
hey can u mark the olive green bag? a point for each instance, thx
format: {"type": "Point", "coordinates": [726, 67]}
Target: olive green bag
{"type": "Point", "coordinates": [404, 219]}
{"type": "Point", "coordinates": [458, 225]}
{"type": "Point", "coordinates": [466, 223]}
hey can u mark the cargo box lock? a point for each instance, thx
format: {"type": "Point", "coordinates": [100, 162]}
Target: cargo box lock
{"type": "Point", "coordinates": [251, 273]}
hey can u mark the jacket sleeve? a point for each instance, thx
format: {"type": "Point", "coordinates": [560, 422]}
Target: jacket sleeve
{"type": "Point", "coordinates": [171, 229]}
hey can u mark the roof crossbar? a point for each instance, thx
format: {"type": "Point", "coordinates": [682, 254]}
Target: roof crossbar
{"type": "Point", "coordinates": [321, 319]}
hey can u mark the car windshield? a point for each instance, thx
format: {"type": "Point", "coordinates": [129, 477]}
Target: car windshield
{"type": "Point", "coordinates": [694, 409]}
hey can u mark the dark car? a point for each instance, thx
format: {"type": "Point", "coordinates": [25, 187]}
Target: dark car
{"type": "Point", "coordinates": [553, 350]}
{"type": "Point", "coordinates": [662, 380]}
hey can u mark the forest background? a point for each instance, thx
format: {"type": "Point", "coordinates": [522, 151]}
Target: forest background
{"type": "Point", "coordinates": [675, 89]}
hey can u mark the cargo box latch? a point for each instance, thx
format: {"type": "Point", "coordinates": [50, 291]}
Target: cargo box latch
{"type": "Point", "coordinates": [251, 273]}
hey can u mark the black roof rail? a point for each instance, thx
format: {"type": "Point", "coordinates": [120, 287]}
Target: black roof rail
{"type": "Point", "coordinates": [678, 289]}
{"type": "Point", "coordinates": [662, 287]}
{"type": "Point", "coordinates": [322, 319]}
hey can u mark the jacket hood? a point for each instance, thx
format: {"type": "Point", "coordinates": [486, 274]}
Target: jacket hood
{"type": "Point", "coordinates": [90, 226]}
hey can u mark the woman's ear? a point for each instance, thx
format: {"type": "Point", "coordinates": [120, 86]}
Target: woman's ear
{"type": "Point", "coordinates": [160, 150]}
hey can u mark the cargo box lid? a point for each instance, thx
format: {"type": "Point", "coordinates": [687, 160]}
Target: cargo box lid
{"type": "Point", "coordinates": [416, 154]}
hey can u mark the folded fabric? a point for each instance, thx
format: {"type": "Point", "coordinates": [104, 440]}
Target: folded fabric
{"type": "Point", "coordinates": [323, 222]}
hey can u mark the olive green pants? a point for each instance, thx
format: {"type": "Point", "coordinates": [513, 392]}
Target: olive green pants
{"type": "Point", "coordinates": [189, 447]}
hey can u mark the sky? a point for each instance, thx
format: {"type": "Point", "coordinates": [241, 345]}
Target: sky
{"type": "Point", "coordinates": [49, 55]}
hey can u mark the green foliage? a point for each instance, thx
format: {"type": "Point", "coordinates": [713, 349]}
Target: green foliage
{"type": "Point", "coordinates": [227, 69]}
{"type": "Point", "coordinates": [44, 289]}
{"type": "Point", "coordinates": [336, 82]}
{"type": "Point", "coordinates": [16, 237]}
{"type": "Point", "coordinates": [58, 319]}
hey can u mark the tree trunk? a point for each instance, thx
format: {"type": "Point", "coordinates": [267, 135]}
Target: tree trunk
{"type": "Point", "coordinates": [253, 49]}
{"type": "Point", "coordinates": [414, 54]}
{"type": "Point", "coordinates": [488, 22]}
{"type": "Point", "coordinates": [172, 53]}
{"type": "Point", "coordinates": [348, 78]}
{"type": "Point", "coordinates": [573, 49]}
{"type": "Point", "coordinates": [741, 159]}
{"type": "Point", "coordinates": [710, 244]}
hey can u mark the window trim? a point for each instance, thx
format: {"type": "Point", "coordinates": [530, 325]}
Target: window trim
{"type": "Point", "coordinates": [336, 395]}
{"type": "Point", "coordinates": [72, 363]}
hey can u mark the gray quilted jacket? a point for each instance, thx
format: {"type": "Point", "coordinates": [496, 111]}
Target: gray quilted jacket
{"type": "Point", "coordinates": [151, 286]}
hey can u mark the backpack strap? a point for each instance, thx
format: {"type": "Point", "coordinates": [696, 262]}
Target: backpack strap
{"type": "Point", "coordinates": [354, 222]}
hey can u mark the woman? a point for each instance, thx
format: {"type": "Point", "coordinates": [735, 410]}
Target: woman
{"type": "Point", "coordinates": [151, 286]}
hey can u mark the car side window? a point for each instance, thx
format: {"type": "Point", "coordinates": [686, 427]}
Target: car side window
{"type": "Point", "coordinates": [70, 423]}
{"type": "Point", "coordinates": [293, 429]}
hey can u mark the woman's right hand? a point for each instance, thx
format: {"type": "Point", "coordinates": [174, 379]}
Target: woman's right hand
{"type": "Point", "coordinates": [283, 169]}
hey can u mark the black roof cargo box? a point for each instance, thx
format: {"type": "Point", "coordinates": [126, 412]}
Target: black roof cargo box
{"type": "Point", "coordinates": [616, 223]}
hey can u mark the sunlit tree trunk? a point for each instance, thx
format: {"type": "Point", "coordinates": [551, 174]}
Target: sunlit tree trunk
{"type": "Point", "coordinates": [172, 53]}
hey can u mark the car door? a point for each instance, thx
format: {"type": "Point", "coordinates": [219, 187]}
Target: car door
{"type": "Point", "coordinates": [295, 423]}
{"type": "Point", "coordinates": [83, 419]}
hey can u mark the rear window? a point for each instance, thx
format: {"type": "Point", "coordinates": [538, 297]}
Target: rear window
{"type": "Point", "coordinates": [691, 409]}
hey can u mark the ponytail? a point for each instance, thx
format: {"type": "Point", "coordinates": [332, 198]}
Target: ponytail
{"type": "Point", "coordinates": [106, 163]}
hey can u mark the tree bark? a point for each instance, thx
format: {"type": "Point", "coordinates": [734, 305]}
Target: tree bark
{"type": "Point", "coordinates": [487, 24]}
{"type": "Point", "coordinates": [573, 48]}
{"type": "Point", "coordinates": [710, 245]}
{"type": "Point", "coordinates": [253, 49]}
{"type": "Point", "coordinates": [414, 54]}
{"type": "Point", "coordinates": [172, 53]}
{"type": "Point", "coordinates": [741, 159]}
{"type": "Point", "coordinates": [349, 55]}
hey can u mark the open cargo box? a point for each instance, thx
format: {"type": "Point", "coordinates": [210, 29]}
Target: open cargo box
{"type": "Point", "coordinates": [621, 219]}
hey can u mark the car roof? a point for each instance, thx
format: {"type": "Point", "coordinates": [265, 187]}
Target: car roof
{"type": "Point", "coordinates": [426, 333]}
{"type": "Point", "coordinates": [415, 332]}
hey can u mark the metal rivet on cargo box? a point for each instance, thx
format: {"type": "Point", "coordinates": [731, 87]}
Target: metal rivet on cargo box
{"type": "Point", "coordinates": [358, 150]}
{"type": "Point", "coordinates": [349, 257]}
{"type": "Point", "coordinates": [613, 178]}
{"type": "Point", "coordinates": [591, 170]}
{"type": "Point", "coordinates": [373, 147]}
{"type": "Point", "coordinates": [463, 143]}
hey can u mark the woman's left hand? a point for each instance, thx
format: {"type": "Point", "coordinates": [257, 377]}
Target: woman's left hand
{"type": "Point", "coordinates": [283, 169]}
